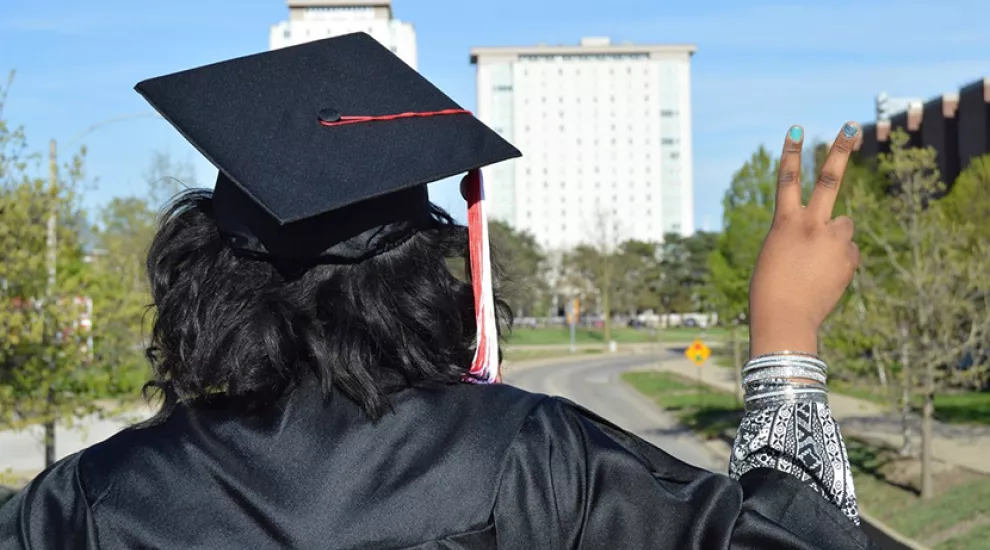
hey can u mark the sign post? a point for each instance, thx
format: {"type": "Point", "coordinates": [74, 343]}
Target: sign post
{"type": "Point", "coordinates": [699, 353]}
{"type": "Point", "coordinates": [573, 315]}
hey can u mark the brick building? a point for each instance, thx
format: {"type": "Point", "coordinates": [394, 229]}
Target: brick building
{"type": "Point", "coordinates": [957, 126]}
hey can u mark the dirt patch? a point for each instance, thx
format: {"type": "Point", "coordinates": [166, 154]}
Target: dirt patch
{"type": "Point", "coordinates": [906, 472]}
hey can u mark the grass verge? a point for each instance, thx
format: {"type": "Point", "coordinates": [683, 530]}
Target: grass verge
{"type": "Point", "coordinates": [622, 335]}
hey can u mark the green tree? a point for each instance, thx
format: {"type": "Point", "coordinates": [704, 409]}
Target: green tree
{"type": "Point", "coordinates": [685, 273]}
{"type": "Point", "coordinates": [44, 281]}
{"type": "Point", "coordinates": [525, 268]}
{"type": "Point", "coordinates": [121, 295]}
{"type": "Point", "coordinates": [858, 336]}
{"type": "Point", "coordinates": [934, 280]}
{"type": "Point", "coordinates": [748, 212]}
{"type": "Point", "coordinates": [968, 202]}
{"type": "Point", "coordinates": [638, 277]}
{"type": "Point", "coordinates": [593, 269]}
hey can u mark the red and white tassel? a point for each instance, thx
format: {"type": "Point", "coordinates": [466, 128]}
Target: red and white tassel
{"type": "Point", "coordinates": [485, 366]}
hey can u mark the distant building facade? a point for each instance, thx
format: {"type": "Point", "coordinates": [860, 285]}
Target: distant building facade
{"type": "Point", "coordinates": [605, 130]}
{"type": "Point", "coordinates": [315, 19]}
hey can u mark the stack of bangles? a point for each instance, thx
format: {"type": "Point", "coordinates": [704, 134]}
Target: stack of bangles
{"type": "Point", "coordinates": [777, 379]}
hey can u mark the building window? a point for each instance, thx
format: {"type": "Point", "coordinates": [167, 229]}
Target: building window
{"type": "Point", "coordinates": [667, 113]}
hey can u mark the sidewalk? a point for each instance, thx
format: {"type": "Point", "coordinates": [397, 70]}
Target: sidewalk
{"type": "Point", "coordinates": [960, 445]}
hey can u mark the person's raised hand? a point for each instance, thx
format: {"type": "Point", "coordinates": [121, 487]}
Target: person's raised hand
{"type": "Point", "coordinates": [808, 258]}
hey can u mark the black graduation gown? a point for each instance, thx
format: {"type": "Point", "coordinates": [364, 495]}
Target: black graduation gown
{"type": "Point", "coordinates": [455, 468]}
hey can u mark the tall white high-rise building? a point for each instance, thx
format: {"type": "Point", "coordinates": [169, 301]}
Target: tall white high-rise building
{"type": "Point", "coordinates": [605, 130]}
{"type": "Point", "coordinates": [315, 19]}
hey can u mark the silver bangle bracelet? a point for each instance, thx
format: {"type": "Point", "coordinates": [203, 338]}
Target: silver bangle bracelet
{"type": "Point", "coordinates": [775, 379]}
{"type": "Point", "coordinates": [770, 386]}
{"type": "Point", "coordinates": [785, 360]}
{"type": "Point", "coordinates": [784, 371]}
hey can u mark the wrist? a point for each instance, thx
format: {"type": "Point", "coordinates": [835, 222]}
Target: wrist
{"type": "Point", "coordinates": [764, 339]}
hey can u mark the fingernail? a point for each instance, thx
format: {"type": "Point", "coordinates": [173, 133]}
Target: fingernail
{"type": "Point", "coordinates": [849, 130]}
{"type": "Point", "coordinates": [796, 133]}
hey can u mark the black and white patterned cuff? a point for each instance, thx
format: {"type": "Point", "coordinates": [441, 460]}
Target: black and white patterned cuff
{"type": "Point", "coordinates": [801, 439]}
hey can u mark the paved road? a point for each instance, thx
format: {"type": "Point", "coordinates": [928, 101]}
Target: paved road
{"type": "Point", "coordinates": [595, 384]}
{"type": "Point", "coordinates": [23, 452]}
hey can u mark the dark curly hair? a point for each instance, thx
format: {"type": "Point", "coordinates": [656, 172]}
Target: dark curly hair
{"type": "Point", "coordinates": [226, 323]}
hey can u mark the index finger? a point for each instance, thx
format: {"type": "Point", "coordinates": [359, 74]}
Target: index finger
{"type": "Point", "coordinates": [827, 188]}
{"type": "Point", "coordinates": [789, 174]}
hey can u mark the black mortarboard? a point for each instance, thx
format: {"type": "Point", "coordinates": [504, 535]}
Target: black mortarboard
{"type": "Point", "coordinates": [324, 152]}
{"type": "Point", "coordinates": [323, 149]}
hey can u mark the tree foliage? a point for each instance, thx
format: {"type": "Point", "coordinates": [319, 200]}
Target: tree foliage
{"type": "Point", "coordinates": [748, 211]}
{"type": "Point", "coordinates": [44, 348]}
{"type": "Point", "coordinates": [525, 269]}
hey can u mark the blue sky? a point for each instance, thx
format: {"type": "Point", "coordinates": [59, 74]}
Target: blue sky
{"type": "Point", "coordinates": [760, 67]}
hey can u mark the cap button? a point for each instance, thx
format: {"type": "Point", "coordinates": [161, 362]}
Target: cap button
{"type": "Point", "coordinates": [329, 114]}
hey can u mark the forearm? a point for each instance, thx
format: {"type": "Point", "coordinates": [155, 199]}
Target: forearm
{"type": "Point", "coordinates": [789, 427]}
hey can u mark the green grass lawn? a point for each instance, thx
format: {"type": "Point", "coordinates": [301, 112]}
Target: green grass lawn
{"type": "Point", "coordinates": [523, 354]}
{"type": "Point", "coordinates": [521, 336]}
{"type": "Point", "coordinates": [706, 410]}
{"type": "Point", "coordinates": [953, 408]}
{"type": "Point", "coordinates": [958, 518]}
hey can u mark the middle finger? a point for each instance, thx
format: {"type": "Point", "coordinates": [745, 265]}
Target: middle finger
{"type": "Point", "coordinates": [827, 188]}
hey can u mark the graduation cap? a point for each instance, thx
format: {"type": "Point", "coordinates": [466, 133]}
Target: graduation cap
{"type": "Point", "coordinates": [324, 151]}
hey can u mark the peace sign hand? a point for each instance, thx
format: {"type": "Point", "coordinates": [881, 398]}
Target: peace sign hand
{"type": "Point", "coordinates": [808, 258]}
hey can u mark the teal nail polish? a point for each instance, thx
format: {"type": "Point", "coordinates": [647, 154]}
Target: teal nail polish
{"type": "Point", "coordinates": [796, 133]}
{"type": "Point", "coordinates": [849, 131]}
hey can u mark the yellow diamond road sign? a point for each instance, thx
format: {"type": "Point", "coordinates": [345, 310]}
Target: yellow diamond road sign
{"type": "Point", "coordinates": [698, 353]}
